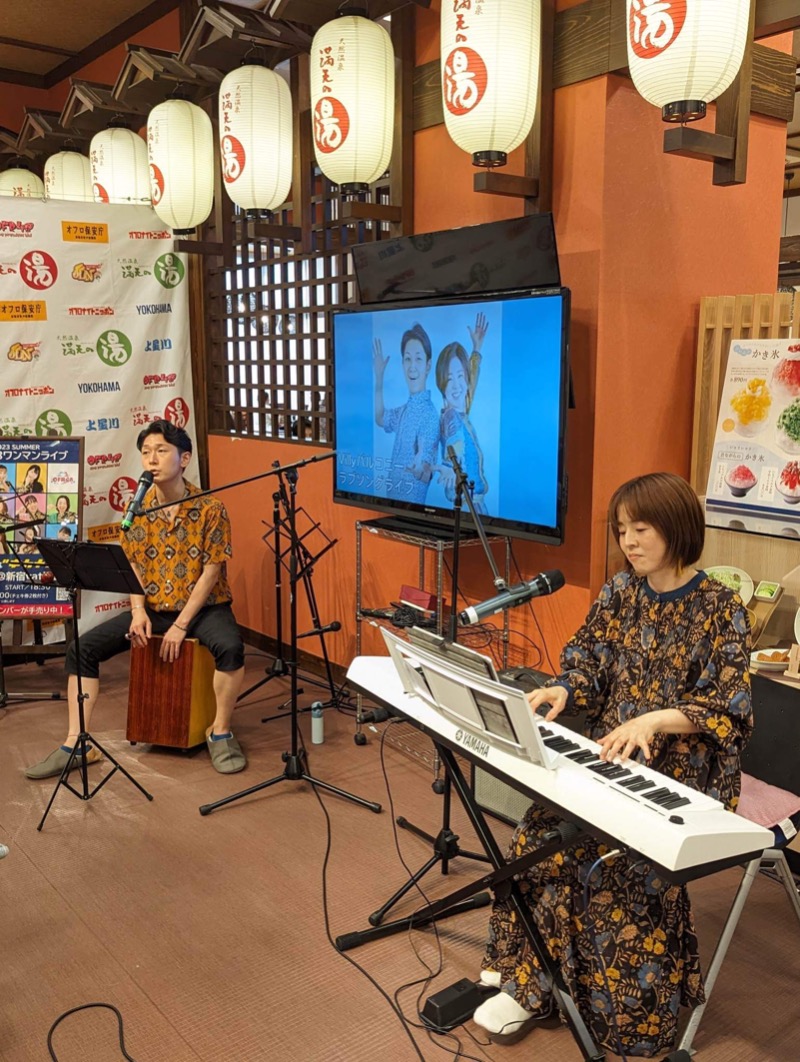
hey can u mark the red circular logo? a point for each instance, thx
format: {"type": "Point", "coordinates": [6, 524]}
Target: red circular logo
{"type": "Point", "coordinates": [122, 490]}
{"type": "Point", "coordinates": [177, 411]}
{"type": "Point", "coordinates": [464, 80]}
{"type": "Point", "coordinates": [233, 158]}
{"type": "Point", "coordinates": [156, 183]}
{"type": "Point", "coordinates": [100, 193]}
{"type": "Point", "coordinates": [39, 270]}
{"type": "Point", "coordinates": [331, 124]}
{"type": "Point", "coordinates": [653, 25]}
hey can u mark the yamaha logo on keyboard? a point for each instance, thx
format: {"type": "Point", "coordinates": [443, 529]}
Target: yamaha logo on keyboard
{"type": "Point", "coordinates": [473, 743]}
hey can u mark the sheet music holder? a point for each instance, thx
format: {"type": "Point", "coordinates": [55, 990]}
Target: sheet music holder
{"type": "Point", "coordinates": [90, 566]}
{"type": "Point", "coordinates": [78, 566]}
{"type": "Point", "coordinates": [459, 686]}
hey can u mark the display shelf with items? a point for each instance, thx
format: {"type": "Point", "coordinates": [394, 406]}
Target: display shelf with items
{"type": "Point", "coordinates": [429, 542]}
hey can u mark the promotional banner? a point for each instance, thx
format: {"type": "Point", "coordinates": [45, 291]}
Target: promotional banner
{"type": "Point", "coordinates": [755, 464]}
{"type": "Point", "coordinates": [40, 486]}
{"type": "Point", "coordinates": [94, 343]}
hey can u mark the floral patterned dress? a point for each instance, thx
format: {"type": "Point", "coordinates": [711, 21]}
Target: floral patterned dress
{"type": "Point", "coordinates": [638, 651]}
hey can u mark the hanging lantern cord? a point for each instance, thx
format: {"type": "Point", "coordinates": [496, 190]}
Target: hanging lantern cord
{"type": "Point", "coordinates": [256, 55]}
{"type": "Point", "coordinates": [352, 7]}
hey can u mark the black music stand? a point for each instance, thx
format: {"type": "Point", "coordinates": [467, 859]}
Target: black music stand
{"type": "Point", "coordinates": [88, 566]}
{"type": "Point", "coordinates": [295, 759]}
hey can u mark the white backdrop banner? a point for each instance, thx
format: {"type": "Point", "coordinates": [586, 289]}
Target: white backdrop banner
{"type": "Point", "coordinates": [94, 342]}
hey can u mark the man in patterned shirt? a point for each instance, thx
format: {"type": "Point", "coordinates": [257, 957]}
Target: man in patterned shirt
{"type": "Point", "coordinates": [179, 554]}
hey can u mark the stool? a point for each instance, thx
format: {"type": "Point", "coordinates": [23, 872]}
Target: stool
{"type": "Point", "coordinates": [171, 703]}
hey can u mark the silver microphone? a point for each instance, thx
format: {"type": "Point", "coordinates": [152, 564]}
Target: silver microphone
{"type": "Point", "coordinates": [544, 583]}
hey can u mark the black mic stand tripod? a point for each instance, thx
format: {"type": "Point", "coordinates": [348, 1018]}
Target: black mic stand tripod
{"type": "Point", "coordinates": [281, 666]}
{"type": "Point", "coordinates": [87, 566]}
{"type": "Point", "coordinates": [295, 760]}
{"type": "Point", "coordinates": [445, 843]}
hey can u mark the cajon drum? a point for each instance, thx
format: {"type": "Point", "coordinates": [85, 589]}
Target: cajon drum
{"type": "Point", "coordinates": [171, 704]}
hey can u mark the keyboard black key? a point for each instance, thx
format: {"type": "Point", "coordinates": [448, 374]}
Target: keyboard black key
{"type": "Point", "coordinates": [618, 772]}
{"type": "Point", "coordinates": [580, 755]}
{"type": "Point", "coordinates": [678, 802]}
{"type": "Point", "coordinates": [658, 794]}
{"type": "Point", "coordinates": [640, 784]}
{"type": "Point", "coordinates": [629, 783]}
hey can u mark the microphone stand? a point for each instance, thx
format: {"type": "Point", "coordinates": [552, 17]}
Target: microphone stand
{"type": "Point", "coordinates": [296, 760]}
{"type": "Point", "coordinates": [445, 843]}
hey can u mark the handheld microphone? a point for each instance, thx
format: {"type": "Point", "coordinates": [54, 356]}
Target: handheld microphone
{"type": "Point", "coordinates": [377, 715]}
{"type": "Point", "coordinates": [544, 583]}
{"type": "Point", "coordinates": [327, 629]}
{"type": "Point", "coordinates": [135, 504]}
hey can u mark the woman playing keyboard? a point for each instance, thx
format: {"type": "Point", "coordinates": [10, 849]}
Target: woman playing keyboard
{"type": "Point", "coordinates": [660, 667]}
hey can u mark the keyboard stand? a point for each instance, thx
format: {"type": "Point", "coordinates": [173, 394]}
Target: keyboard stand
{"type": "Point", "coordinates": [501, 881]}
{"type": "Point", "coordinates": [773, 859]}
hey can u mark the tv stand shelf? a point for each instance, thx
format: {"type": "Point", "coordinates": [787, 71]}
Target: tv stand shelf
{"type": "Point", "coordinates": [437, 540]}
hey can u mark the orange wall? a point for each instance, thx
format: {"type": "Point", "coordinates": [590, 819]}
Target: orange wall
{"type": "Point", "coordinates": [164, 33]}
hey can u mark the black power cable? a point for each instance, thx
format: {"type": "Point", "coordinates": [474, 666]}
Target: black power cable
{"type": "Point", "coordinates": [88, 1006]}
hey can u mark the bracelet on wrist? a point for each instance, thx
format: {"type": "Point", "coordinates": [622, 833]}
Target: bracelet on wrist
{"type": "Point", "coordinates": [136, 606]}
{"type": "Point", "coordinates": [184, 629]}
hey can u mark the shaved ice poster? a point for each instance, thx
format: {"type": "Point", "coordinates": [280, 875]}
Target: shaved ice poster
{"type": "Point", "coordinates": [755, 464]}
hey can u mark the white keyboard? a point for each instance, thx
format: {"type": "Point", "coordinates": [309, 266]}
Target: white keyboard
{"type": "Point", "coordinates": [685, 833]}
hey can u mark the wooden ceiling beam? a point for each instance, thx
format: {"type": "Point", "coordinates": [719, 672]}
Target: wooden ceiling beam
{"type": "Point", "coordinates": [776, 16]}
{"type": "Point", "coordinates": [34, 46]}
{"type": "Point", "coordinates": [118, 35]}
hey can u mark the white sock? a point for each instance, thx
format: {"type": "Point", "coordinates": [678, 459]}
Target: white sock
{"type": "Point", "coordinates": [491, 978]}
{"type": "Point", "coordinates": [501, 1014]}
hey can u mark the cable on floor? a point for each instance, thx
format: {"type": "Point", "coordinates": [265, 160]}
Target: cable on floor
{"type": "Point", "coordinates": [88, 1006]}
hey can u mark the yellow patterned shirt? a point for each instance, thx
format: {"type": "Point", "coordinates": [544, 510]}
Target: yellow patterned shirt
{"type": "Point", "coordinates": [172, 555]}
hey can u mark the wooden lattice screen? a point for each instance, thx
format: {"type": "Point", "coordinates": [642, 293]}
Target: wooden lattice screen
{"type": "Point", "coordinates": [270, 326]}
{"type": "Point", "coordinates": [722, 318]}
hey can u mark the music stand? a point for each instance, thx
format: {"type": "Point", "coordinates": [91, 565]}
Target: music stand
{"type": "Point", "coordinates": [87, 566]}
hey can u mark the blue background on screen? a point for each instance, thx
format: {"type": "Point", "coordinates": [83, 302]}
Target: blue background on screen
{"type": "Point", "coordinates": [515, 412]}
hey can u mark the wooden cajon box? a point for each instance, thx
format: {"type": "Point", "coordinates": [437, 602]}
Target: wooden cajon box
{"type": "Point", "coordinates": [171, 703]}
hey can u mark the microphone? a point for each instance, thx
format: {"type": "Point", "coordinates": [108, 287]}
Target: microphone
{"type": "Point", "coordinates": [135, 504]}
{"type": "Point", "coordinates": [335, 626]}
{"type": "Point", "coordinates": [544, 583]}
{"type": "Point", "coordinates": [377, 715]}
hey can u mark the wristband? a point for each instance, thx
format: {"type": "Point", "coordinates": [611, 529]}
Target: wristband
{"type": "Point", "coordinates": [184, 629]}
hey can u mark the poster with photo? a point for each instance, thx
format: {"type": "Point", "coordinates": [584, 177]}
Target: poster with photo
{"type": "Point", "coordinates": [755, 464]}
{"type": "Point", "coordinates": [40, 484]}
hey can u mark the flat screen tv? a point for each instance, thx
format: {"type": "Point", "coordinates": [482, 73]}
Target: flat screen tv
{"type": "Point", "coordinates": [486, 376]}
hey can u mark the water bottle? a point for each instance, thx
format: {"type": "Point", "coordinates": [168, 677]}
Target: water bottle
{"type": "Point", "coordinates": [317, 723]}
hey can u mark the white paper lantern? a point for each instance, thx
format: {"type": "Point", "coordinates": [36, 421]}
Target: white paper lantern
{"type": "Point", "coordinates": [180, 146]}
{"type": "Point", "coordinates": [684, 53]}
{"type": "Point", "coordinates": [20, 182]}
{"type": "Point", "coordinates": [68, 175]}
{"type": "Point", "coordinates": [118, 158]}
{"type": "Point", "coordinates": [255, 135]}
{"type": "Point", "coordinates": [352, 101]}
{"type": "Point", "coordinates": [490, 75]}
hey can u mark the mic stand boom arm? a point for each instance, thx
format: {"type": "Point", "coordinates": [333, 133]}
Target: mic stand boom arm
{"type": "Point", "coordinates": [461, 483]}
{"type": "Point", "coordinates": [250, 479]}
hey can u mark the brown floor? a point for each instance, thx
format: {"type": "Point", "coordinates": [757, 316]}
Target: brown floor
{"type": "Point", "coordinates": [208, 932]}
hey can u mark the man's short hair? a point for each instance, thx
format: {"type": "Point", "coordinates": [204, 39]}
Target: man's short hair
{"type": "Point", "coordinates": [174, 435]}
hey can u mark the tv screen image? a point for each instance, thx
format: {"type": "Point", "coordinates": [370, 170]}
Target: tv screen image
{"type": "Point", "coordinates": [494, 388]}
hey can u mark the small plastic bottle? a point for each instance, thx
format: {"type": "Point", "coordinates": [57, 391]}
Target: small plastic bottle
{"type": "Point", "coordinates": [317, 723]}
